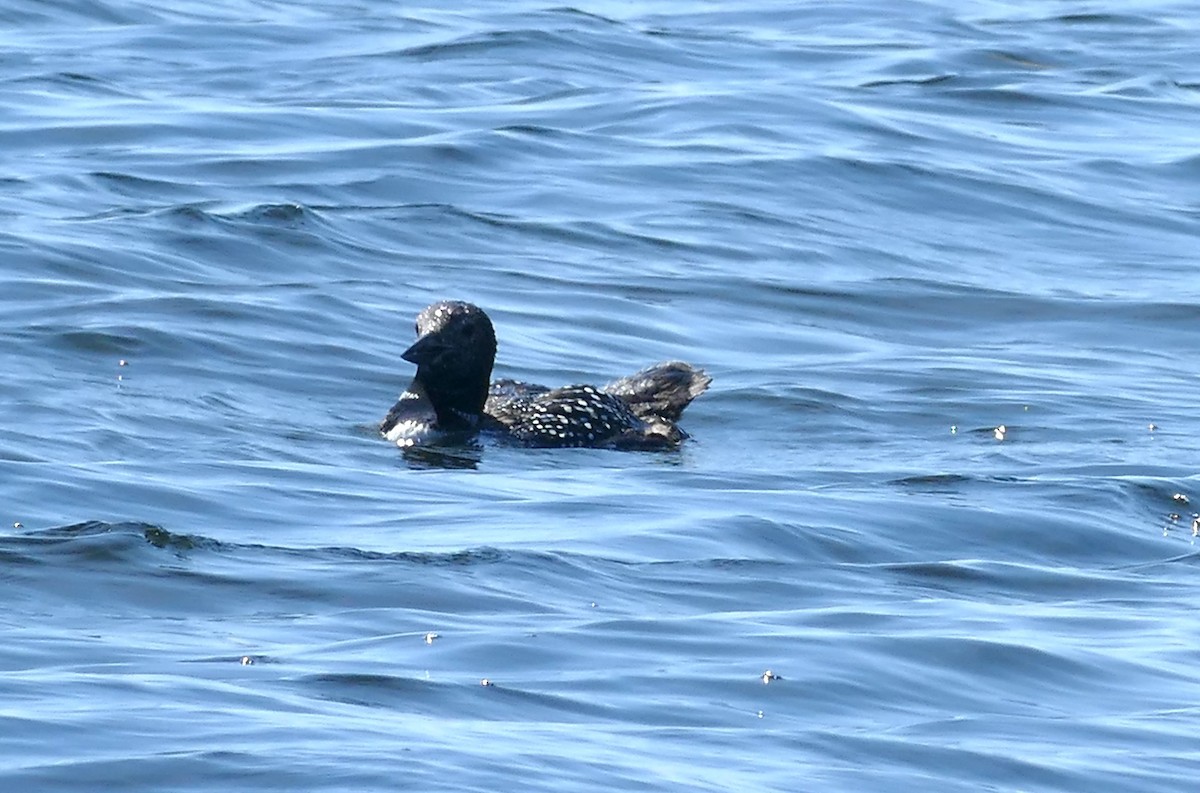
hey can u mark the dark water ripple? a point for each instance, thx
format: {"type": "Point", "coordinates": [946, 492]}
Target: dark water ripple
{"type": "Point", "coordinates": [887, 229]}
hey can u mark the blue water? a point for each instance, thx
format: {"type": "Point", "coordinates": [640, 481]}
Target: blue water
{"type": "Point", "coordinates": [884, 228]}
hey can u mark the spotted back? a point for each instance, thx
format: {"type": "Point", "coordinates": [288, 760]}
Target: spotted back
{"type": "Point", "coordinates": [502, 392]}
{"type": "Point", "coordinates": [578, 415]}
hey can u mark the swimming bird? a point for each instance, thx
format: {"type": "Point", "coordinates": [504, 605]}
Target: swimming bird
{"type": "Point", "coordinates": [451, 394]}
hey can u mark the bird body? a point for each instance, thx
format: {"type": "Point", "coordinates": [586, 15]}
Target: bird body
{"type": "Point", "coordinates": [451, 394]}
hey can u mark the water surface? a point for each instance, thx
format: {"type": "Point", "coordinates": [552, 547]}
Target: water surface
{"type": "Point", "coordinates": [886, 229]}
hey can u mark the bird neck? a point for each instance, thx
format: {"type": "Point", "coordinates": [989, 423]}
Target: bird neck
{"type": "Point", "coordinates": [458, 402]}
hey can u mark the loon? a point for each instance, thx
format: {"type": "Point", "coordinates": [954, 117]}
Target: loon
{"type": "Point", "coordinates": [450, 396]}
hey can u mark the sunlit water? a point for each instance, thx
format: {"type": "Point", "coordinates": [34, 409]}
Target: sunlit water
{"type": "Point", "coordinates": [886, 230]}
